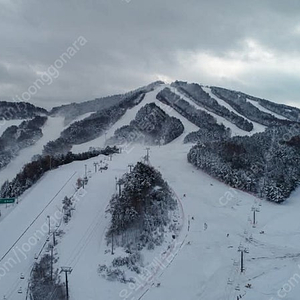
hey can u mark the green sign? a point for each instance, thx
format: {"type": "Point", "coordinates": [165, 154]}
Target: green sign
{"type": "Point", "coordinates": [7, 200]}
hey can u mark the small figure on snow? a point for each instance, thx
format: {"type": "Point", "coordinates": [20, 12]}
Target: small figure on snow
{"type": "Point", "coordinates": [205, 226]}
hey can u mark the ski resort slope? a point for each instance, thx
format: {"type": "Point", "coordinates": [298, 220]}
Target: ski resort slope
{"type": "Point", "coordinates": [4, 124]}
{"type": "Point", "coordinates": [255, 103]}
{"type": "Point", "coordinates": [203, 260]}
{"type": "Point", "coordinates": [256, 126]}
{"type": "Point", "coordinates": [51, 131]}
{"type": "Point", "coordinates": [130, 115]}
{"type": "Point", "coordinates": [188, 126]}
{"type": "Point", "coordinates": [55, 125]}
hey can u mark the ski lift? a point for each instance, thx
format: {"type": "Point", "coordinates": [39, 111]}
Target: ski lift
{"type": "Point", "coordinates": [229, 281]}
{"type": "Point", "coordinates": [36, 256]}
{"type": "Point", "coordinates": [246, 250]}
{"type": "Point", "coordinates": [20, 291]}
{"type": "Point", "coordinates": [22, 276]}
{"type": "Point", "coordinates": [237, 288]}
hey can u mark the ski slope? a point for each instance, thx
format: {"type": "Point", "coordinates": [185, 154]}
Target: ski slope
{"type": "Point", "coordinates": [80, 118]}
{"type": "Point", "coordinates": [256, 104]}
{"type": "Point", "coordinates": [236, 131]}
{"type": "Point", "coordinates": [130, 115]}
{"type": "Point", "coordinates": [4, 124]}
{"type": "Point", "coordinates": [55, 125]}
{"type": "Point", "coordinates": [51, 131]}
{"type": "Point", "coordinates": [202, 263]}
{"type": "Point", "coordinates": [203, 260]}
{"type": "Point", "coordinates": [256, 126]}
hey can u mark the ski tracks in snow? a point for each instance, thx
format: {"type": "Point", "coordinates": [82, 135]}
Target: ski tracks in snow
{"type": "Point", "coordinates": [173, 252]}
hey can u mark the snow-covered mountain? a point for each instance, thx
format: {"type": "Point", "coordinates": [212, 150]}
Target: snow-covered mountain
{"type": "Point", "coordinates": [186, 132]}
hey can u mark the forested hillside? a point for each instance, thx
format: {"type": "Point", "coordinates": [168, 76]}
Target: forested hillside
{"type": "Point", "coordinates": [19, 110]}
{"type": "Point", "coordinates": [265, 164]}
{"type": "Point", "coordinates": [151, 126]}
{"type": "Point", "coordinates": [195, 92]}
{"type": "Point", "coordinates": [16, 138]}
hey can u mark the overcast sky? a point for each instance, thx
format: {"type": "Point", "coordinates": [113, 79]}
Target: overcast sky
{"type": "Point", "coordinates": [252, 46]}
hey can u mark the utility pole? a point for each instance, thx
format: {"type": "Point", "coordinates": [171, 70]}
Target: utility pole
{"type": "Point", "coordinates": [112, 243]}
{"type": "Point", "coordinates": [54, 242]}
{"type": "Point", "coordinates": [147, 155]}
{"type": "Point", "coordinates": [242, 261]}
{"type": "Point", "coordinates": [242, 250]}
{"type": "Point", "coordinates": [48, 217]}
{"type": "Point", "coordinates": [119, 183]}
{"type": "Point", "coordinates": [52, 247]}
{"type": "Point", "coordinates": [67, 271]}
{"type": "Point", "coordinates": [130, 167]}
{"type": "Point", "coordinates": [255, 210]}
{"type": "Point", "coordinates": [96, 166]}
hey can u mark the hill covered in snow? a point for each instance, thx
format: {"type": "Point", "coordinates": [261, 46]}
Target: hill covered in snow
{"type": "Point", "coordinates": [175, 209]}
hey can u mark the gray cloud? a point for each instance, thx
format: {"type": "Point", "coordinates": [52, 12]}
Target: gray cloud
{"type": "Point", "coordinates": [251, 46]}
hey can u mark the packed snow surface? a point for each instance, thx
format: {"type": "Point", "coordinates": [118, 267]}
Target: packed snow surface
{"type": "Point", "coordinates": [201, 261]}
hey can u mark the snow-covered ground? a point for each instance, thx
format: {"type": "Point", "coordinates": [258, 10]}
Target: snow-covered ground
{"type": "Point", "coordinates": [4, 124]}
{"type": "Point", "coordinates": [80, 118]}
{"type": "Point", "coordinates": [256, 126]}
{"type": "Point", "coordinates": [204, 258]}
{"type": "Point", "coordinates": [51, 131]}
{"type": "Point", "coordinates": [234, 129]}
{"type": "Point", "coordinates": [188, 126]}
{"type": "Point", "coordinates": [55, 125]}
{"type": "Point", "coordinates": [266, 110]}
{"type": "Point", "coordinates": [130, 115]}
{"type": "Point", "coordinates": [200, 261]}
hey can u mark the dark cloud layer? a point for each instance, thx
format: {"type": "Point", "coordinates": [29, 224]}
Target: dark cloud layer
{"type": "Point", "coordinates": [251, 46]}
